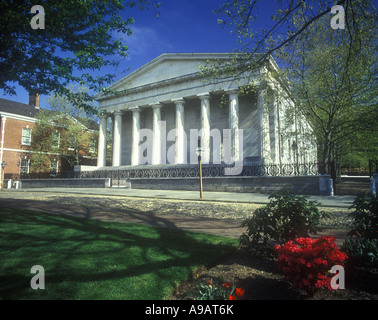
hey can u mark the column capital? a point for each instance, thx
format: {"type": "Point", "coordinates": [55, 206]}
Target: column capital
{"type": "Point", "coordinates": [232, 91]}
{"type": "Point", "coordinates": [118, 113]}
{"type": "Point", "coordinates": [156, 105]}
{"type": "Point", "coordinates": [135, 109]}
{"type": "Point", "coordinates": [204, 96]}
{"type": "Point", "coordinates": [179, 101]}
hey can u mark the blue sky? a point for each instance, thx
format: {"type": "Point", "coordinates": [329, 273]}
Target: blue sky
{"type": "Point", "coordinates": [182, 26]}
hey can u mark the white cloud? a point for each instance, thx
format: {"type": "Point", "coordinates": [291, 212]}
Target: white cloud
{"type": "Point", "coordinates": [143, 42]}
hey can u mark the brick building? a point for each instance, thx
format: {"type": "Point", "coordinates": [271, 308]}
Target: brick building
{"type": "Point", "coordinates": [17, 121]}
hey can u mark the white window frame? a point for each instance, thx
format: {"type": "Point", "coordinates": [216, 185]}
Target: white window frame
{"type": "Point", "coordinates": [23, 166]}
{"type": "Point", "coordinates": [92, 146]}
{"type": "Point", "coordinates": [71, 143]}
{"type": "Point", "coordinates": [54, 146]}
{"type": "Point", "coordinates": [56, 169]}
{"type": "Point", "coordinates": [26, 138]}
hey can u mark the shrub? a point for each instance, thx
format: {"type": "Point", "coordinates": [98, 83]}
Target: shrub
{"type": "Point", "coordinates": [284, 218]}
{"type": "Point", "coordinates": [306, 262]}
{"type": "Point", "coordinates": [213, 291]}
{"type": "Point", "coordinates": [362, 243]}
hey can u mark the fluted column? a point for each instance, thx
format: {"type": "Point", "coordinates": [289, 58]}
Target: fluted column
{"type": "Point", "coordinates": [101, 158]}
{"type": "Point", "coordinates": [135, 137]}
{"type": "Point", "coordinates": [205, 126]}
{"type": "Point", "coordinates": [264, 134]}
{"type": "Point", "coordinates": [179, 155]}
{"type": "Point", "coordinates": [117, 139]}
{"type": "Point", "coordinates": [156, 147]}
{"type": "Point", "coordinates": [234, 122]}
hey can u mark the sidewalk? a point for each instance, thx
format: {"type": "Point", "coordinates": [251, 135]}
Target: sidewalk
{"type": "Point", "coordinates": [341, 201]}
{"type": "Point", "coordinates": [33, 199]}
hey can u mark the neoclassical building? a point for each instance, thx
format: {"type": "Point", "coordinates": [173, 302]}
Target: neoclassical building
{"type": "Point", "coordinates": [160, 110]}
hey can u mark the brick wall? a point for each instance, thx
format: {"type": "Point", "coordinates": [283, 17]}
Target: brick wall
{"type": "Point", "coordinates": [13, 141]}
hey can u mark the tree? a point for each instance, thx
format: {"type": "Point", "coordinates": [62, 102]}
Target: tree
{"type": "Point", "coordinates": [241, 17]}
{"type": "Point", "coordinates": [64, 132]}
{"type": "Point", "coordinates": [331, 73]}
{"type": "Point", "coordinates": [41, 143]}
{"type": "Point", "coordinates": [333, 79]}
{"type": "Point", "coordinates": [76, 39]}
{"type": "Point", "coordinates": [63, 105]}
{"type": "Point", "coordinates": [76, 124]}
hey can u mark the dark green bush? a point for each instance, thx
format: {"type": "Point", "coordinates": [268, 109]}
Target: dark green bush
{"type": "Point", "coordinates": [362, 241]}
{"type": "Point", "coordinates": [286, 217]}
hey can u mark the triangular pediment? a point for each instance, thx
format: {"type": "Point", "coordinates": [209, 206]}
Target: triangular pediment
{"type": "Point", "coordinates": [167, 67]}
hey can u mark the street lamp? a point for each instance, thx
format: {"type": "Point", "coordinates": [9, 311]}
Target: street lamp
{"type": "Point", "coordinates": [3, 164]}
{"type": "Point", "coordinates": [199, 151]}
{"type": "Point", "coordinates": [295, 153]}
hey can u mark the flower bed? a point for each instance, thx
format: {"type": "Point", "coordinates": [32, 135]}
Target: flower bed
{"type": "Point", "coordinates": [306, 262]}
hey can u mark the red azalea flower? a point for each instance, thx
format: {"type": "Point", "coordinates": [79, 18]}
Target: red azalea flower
{"type": "Point", "coordinates": [239, 292]}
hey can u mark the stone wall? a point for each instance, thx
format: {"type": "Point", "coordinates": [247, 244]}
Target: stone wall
{"type": "Point", "coordinates": [307, 185]}
{"type": "Point", "coordinates": [64, 183]}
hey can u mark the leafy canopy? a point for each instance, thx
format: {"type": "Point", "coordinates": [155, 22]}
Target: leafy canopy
{"type": "Point", "coordinates": [77, 39]}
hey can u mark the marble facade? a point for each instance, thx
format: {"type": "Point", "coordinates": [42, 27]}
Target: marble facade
{"type": "Point", "coordinates": [168, 97]}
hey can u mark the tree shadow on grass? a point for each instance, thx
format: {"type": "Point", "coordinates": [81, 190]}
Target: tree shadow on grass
{"type": "Point", "coordinates": [82, 253]}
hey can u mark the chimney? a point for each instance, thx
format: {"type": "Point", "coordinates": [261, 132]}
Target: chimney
{"type": "Point", "coordinates": [34, 100]}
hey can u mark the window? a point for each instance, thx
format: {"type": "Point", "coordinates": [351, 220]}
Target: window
{"type": "Point", "coordinates": [55, 140]}
{"type": "Point", "coordinates": [24, 166]}
{"type": "Point", "coordinates": [26, 136]}
{"type": "Point", "coordinates": [71, 143]}
{"type": "Point", "coordinates": [92, 146]}
{"type": "Point", "coordinates": [54, 166]}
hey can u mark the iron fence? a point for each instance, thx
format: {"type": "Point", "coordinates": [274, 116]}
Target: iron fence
{"type": "Point", "coordinates": [178, 172]}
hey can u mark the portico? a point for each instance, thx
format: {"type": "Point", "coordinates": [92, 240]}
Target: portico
{"type": "Point", "coordinates": [166, 102]}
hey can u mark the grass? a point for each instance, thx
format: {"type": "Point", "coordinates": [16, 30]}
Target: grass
{"type": "Point", "coordinates": [91, 259]}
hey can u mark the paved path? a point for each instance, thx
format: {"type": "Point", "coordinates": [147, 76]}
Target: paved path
{"type": "Point", "coordinates": [29, 199]}
{"type": "Point", "coordinates": [222, 227]}
{"type": "Point", "coordinates": [343, 201]}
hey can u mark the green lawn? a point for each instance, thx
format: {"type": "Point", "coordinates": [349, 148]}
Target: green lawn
{"type": "Point", "coordinates": [90, 259]}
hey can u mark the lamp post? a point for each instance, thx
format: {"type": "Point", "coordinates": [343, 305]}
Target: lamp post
{"type": "Point", "coordinates": [199, 151]}
{"type": "Point", "coordinates": [3, 164]}
{"type": "Point", "coordinates": [295, 153]}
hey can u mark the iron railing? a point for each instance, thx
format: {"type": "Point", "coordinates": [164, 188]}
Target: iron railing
{"type": "Point", "coordinates": [178, 172]}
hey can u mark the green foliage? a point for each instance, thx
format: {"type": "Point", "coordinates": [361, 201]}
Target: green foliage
{"type": "Point", "coordinates": [284, 218]}
{"type": "Point", "coordinates": [365, 215]}
{"type": "Point", "coordinates": [215, 291]}
{"type": "Point", "coordinates": [361, 249]}
{"type": "Point", "coordinates": [41, 142]}
{"type": "Point", "coordinates": [362, 243]}
{"type": "Point", "coordinates": [331, 73]}
{"type": "Point", "coordinates": [77, 39]}
{"type": "Point", "coordinates": [75, 123]}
